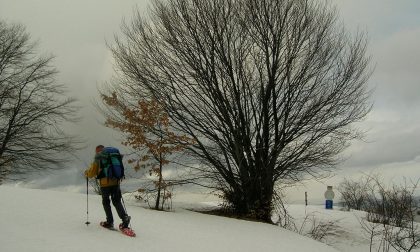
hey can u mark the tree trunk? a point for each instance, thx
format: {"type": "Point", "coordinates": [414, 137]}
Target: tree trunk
{"type": "Point", "coordinates": [254, 198]}
{"type": "Point", "coordinates": [159, 184]}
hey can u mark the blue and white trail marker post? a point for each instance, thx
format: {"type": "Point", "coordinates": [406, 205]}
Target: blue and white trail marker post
{"type": "Point", "coordinates": [329, 196]}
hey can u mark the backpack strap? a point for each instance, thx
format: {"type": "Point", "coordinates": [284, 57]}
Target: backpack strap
{"type": "Point", "coordinates": [98, 159]}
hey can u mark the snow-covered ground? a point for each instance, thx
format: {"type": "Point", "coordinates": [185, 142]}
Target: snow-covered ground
{"type": "Point", "coordinates": [43, 220]}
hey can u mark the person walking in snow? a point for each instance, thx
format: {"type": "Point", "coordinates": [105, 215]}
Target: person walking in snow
{"type": "Point", "coordinates": [110, 188]}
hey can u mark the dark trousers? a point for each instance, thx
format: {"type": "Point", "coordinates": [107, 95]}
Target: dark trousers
{"type": "Point", "coordinates": [113, 192]}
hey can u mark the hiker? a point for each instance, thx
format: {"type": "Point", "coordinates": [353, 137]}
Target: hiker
{"type": "Point", "coordinates": [110, 187]}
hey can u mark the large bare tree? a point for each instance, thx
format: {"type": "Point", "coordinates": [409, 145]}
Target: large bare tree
{"type": "Point", "coordinates": [268, 89]}
{"type": "Point", "coordinates": [32, 107]}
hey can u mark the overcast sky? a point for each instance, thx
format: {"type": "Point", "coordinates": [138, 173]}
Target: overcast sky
{"type": "Point", "coordinates": [75, 31]}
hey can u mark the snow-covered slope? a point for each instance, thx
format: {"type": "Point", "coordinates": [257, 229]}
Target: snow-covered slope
{"type": "Point", "coordinates": [42, 220]}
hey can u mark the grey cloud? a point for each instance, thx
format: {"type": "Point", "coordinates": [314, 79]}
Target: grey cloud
{"type": "Point", "coordinates": [75, 31]}
{"type": "Point", "coordinates": [396, 76]}
{"type": "Point", "coordinates": [387, 147]}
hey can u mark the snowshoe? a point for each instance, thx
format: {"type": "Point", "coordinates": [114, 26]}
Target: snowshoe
{"type": "Point", "coordinates": [127, 231]}
{"type": "Point", "coordinates": [107, 225]}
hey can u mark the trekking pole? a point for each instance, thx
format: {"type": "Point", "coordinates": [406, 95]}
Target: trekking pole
{"type": "Point", "coordinates": [87, 202]}
{"type": "Point", "coordinates": [123, 203]}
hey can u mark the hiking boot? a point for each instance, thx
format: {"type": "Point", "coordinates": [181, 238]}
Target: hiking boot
{"type": "Point", "coordinates": [126, 222]}
{"type": "Point", "coordinates": [105, 224]}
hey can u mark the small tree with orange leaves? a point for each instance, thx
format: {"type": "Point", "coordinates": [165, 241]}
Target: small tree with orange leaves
{"type": "Point", "coordinates": [147, 128]}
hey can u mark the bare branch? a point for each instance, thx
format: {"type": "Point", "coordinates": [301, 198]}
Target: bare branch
{"type": "Point", "coordinates": [267, 89]}
{"type": "Point", "coordinates": [32, 107]}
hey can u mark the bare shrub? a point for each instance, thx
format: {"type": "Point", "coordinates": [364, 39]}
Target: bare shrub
{"type": "Point", "coordinates": [285, 220]}
{"type": "Point", "coordinates": [354, 194]}
{"type": "Point", "coordinates": [392, 206]}
{"type": "Point", "coordinates": [387, 205]}
{"type": "Point", "coordinates": [148, 194]}
{"type": "Point", "coordinates": [318, 229]}
{"type": "Point", "coordinates": [321, 229]}
{"type": "Point", "coordinates": [390, 219]}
